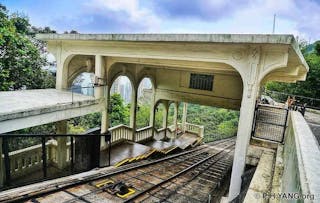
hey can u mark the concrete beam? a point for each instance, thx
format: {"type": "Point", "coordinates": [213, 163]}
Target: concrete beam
{"type": "Point", "coordinates": [40, 119]}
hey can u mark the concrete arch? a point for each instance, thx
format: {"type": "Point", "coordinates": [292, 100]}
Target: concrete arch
{"type": "Point", "coordinates": [114, 74]}
{"type": "Point", "coordinates": [149, 76]}
{"type": "Point", "coordinates": [269, 71]}
{"type": "Point", "coordinates": [81, 64]}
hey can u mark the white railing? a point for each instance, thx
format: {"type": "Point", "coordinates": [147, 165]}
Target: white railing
{"type": "Point", "coordinates": [121, 132]}
{"type": "Point", "coordinates": [29, 159]}
{"type": "Point", "coordinates": [143, 134]}
{"type": "Point", "coordinates": [26, 160]}
{"type": "Point", "coordinates": [196, 129]}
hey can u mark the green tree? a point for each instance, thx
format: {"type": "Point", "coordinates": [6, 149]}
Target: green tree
{"type": "Point", "coordinates": [310, 87]}
{"type": "Point", "coordinates": [119, 111]}
{"type": "Point", "coordinates": [159, 116]}
{"type": "Point", "coordinates": [143, 116]}
{"type": "Point", "coordinates": [317, 48]}
{"type": "Point", "coordinates": [218, 122]}
{"type": "Point", "coordinates": [21, 61]}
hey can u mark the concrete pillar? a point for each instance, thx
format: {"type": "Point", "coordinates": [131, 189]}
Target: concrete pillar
{"type": "Point", "coordinates": [152, 110]}
{"type": "Point", "coordinates": [101, 91]}
{"type": "Point", "coordinates": [184, 116]}
{"type": "Point", "coordinates": [153, 121]}
{"type": "Point", "coordinates": [133, 111]}
{"type": "Point", "coordinates": [62, 70]}
{"type": "Point", "coordinates": [242, 142]}
{"type": "Point", "coordinates": [61, 127]}
{"type": "Point", "coordinates": [105, 120]}
{"type": "Point", "coordinates": [2, 171]}
{"type": "Point", "coordinates": [165, 118]}
{"type": "Point", "coordinates": [175, 118]}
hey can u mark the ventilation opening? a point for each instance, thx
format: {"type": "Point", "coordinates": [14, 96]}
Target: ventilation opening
{"type": "Point", "coordinates": [201, 82]}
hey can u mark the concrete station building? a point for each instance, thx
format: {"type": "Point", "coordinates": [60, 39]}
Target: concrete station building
{"type": "Point", "coordinates": [221, 70]}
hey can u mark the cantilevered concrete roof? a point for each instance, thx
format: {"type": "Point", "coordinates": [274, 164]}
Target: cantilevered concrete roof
{"type": "Point", "coordinates": [284, 39]}
{"type": "Point", "coordinates": [16, 105]}
{"type": "Point", "coordinates": [216, 38]}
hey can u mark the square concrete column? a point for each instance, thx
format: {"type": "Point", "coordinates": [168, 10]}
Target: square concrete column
{"type": "Point", "coordinates": [165, 118]}
{"type": "Point", "coordinates": [62, 69]}
{"type": "Point", "coordinates": [102, 91]}
{"type": "Point", "coordinates": [100, 79]}
{"type": "Point", "coordinates": [133, 112]}
{"type": "Point", "coordinates": [61, 127]}
{"type": "Point", "coordinates": [243, 137]}
{"type": "Point", "coordinates": [105, 120]}
{"type": "Point", "coordinates": [175, 118]}
{"type": "Point", "coordinates": [153, 121]}
{"type": "Point", "coordinates": [2, 171]}
{"type": "Point", "coordinates": [184, 116]}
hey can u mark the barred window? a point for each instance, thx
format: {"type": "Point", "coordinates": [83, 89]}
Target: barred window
{"type": "Point", "coordinates": [201, 81]}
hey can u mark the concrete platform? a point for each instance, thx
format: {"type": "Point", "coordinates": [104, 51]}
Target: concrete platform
{"type": "Point", "coordinates": [126, 152]}
{"type": "Point", "coordinates": [161, 146]}
{"type": "Point", "coordinates": [27, 108]}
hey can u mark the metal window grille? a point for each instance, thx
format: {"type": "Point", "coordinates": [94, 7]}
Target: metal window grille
{"type": "Point", "coordinates": [270, 123]}
{"type": "Point", "coordinates": [201, 82]}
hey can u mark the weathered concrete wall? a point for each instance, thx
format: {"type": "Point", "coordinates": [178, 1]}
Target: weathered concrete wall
{"type": "Point", "coordinates": [262, 179]}
{"type": "Point", "coordinates": [301, 159]}
{"type": "Point", "coordinates": [291, 177]}
{"type": "Point", "coordinates": [174, 84]}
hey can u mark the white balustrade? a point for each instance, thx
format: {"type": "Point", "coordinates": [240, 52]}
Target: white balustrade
{"type": "Point", "coordinates": [143, 134]}
{"type": "Point", "coordinates": [29, 159]}
{"type": "Point", "coordinates": [120, 132]}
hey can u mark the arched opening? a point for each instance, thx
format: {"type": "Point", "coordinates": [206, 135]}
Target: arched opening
{"type": "Point", "coordinates": [160, 116]}
{"type": "Point", "coordinates": [120, 101]}
{"type": "Point", "coordinates": [83, 84]}
{"type": "Point", "coordinates": [145, 102]}
{"type": "Point", "coordinates": [171, 114]}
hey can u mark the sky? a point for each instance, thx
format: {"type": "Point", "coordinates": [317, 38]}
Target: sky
{"type": "Point", "coordinates": [298, 17]}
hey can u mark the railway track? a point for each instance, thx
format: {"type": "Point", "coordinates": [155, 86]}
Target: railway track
{"type": "Point", "coordinates": [163, 180]}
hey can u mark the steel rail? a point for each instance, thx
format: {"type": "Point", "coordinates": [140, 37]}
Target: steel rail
{"type": "Point", "coordinates": [176, 175]}
{"type": "Point", "coordinates": [148, 172]}
{"type": "Point", "coordinates": [195, 176]}
{"type": "Point", "coordinates": [109, 173]}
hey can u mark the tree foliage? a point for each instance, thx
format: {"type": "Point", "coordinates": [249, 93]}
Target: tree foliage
{"type": "Point", "coordinates": [143, 116]}
{"type": "Point", "coordinates": [120, 112]}
{"type": "Point", "coordinates": [218, 123]}
{"type": "Point", "coordinates": [21, 61]}
{"type": "Point", "coordinates": [310, 87]}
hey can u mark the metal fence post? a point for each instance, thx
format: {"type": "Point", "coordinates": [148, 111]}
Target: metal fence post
{"type": "Point", "coordinates": [44, 156]}
{"type": "Point", "coordinates": [6, 160]}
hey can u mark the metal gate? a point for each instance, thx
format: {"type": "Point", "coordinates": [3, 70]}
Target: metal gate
{"type": "Point", "coordinates": [270, 123]}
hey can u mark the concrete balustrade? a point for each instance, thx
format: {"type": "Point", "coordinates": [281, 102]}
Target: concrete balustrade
{"type": "Point", "coordinates": [293, 176]}
{"type": "Point", "coordinates": [301, 158]}
{"type": "Point", "coordinates": [143, 134]}
{"type": "Point", "coordinates": [121, 132]}
{"type": "Point", "coordinates": [29, 160]}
